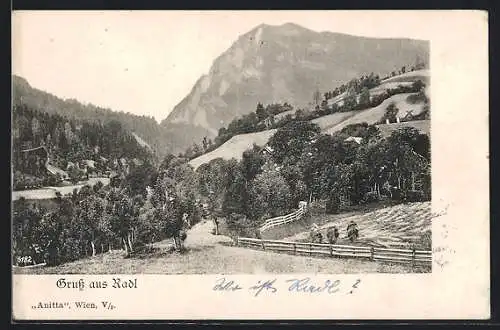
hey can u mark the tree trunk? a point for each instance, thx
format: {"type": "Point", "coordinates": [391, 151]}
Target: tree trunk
{"type": "Point", "coordinates": [109, 245]}
{"type": "Point", "coordinates": [126, 246]}
{"type": "Point", "coordinates": [102, 248]}
{"type": "Point", "coordinates": [130, 242]}
{"type": "Point", "coordinates": [177, 244]}
{"type": "Point", "coordinates": [413, 180]}
{"type": "Point", "coordinates": [93, 248]}
{"type": "Point", "coordinates": [216, 225]}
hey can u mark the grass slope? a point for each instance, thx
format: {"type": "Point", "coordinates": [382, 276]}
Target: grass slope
{"type": "Point", "coordinates": [373, 115]}
{"type": "Point", "coordinates": [395, 226]}
{"type": "Point", "coordinates": [423, 75]}
{"type": "Point", "coordinates": [329, 124]}
{"type": "Point", "coordinates": [234, 147]}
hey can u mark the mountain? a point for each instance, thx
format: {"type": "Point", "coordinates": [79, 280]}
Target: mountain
{"type": "Point", "coordinates": [285, 63]}
{"type": "Point", "coordinates": [145, 129]}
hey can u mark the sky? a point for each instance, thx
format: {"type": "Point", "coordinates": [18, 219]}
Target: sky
{"type": "Point", "coordinates": [146, 62]}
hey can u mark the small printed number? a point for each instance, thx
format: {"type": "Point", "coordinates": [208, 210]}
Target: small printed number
{"type": "Point", "coordinates": [24, 260]}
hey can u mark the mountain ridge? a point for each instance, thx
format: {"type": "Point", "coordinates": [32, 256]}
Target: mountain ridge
{"type": "Point", "coordinates": [285, 63]}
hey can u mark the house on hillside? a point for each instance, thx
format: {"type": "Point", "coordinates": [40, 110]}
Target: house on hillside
{"type": "Point", "coordinates": [137, 162]}
{"type": "Point", "coordinates": [56, 171]}
{"type": "Point", "coordinates": [267, 150]}
{"type": "Point", "coordinates": [34, 160]}
{"type": "Point", "coordinates": [356, 139]}
{"type": "Point", "coordinates": [269, 121]}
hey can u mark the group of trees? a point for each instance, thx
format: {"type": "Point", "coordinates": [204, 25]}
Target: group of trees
{"type": "Point", "coordinates": [66, 141]}
{"type": "Point", "coordinates": [355, 85]}
{"type": "Point", "coordinates": [305, 164]}
{"type": "Point", "coordinates": [250, 123]}
{"type": "Point", "coordinates": [146, 126]}
{"type": "Point", "coordinates": [357, 98]}
{"type": "Point", "coordinates": [125, 215]}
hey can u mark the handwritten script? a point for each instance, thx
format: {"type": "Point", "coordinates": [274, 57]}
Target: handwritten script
{"type": "Point", "coordinates": [305, 286]}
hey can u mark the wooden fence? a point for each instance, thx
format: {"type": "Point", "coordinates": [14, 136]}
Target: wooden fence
{"type": "Point", "coordinates": [414, 257]}
{"type": "Point", "coordinates": [281, 220]}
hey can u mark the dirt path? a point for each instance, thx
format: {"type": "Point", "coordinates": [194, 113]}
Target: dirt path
{"type": "Point", "coordinates": [201, 235]}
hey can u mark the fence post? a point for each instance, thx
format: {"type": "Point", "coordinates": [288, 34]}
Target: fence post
{"type": "Point", "coordinates": [413, 255]}
{"type": "Point", "coordinates": [310, 249]}
{"type": "Point", "coordinates": [294, 248]}
{"type": "Point", "coordinates": [263, 245]}
{"type": "Point", "coordinates": [237, 239]}
{"type": "Point", "coordinates": [372, 253]}
{"type": "Point", "coordinates": [331, 250]}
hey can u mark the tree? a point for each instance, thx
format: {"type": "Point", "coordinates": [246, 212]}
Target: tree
{"type": "Point", "coordinates": [139, 178]}
{"type": "Point", "coordinates": [289, 140]}
{"type": "Point", "coordinates": [405, 163]}
{"type": "Point", "coordinates": [324, 105]}
{"type": "Point", "coordinates": [236, 194]}
{"type": "Point", "coordinates": [251, 163]}
{"type": "Point", "coordinates": [205, 144]}
{"type": "Point", "coordinates": [261, 112]}
{"type": "Point", "coordinates": [364, 98]}
{"type": "Point", "coordinates": [317, 97]}
{"type": "Point", "coordinates": [390, 114]}
{"type": "Point", "coordinates": [270, 195]}
{"type": "Point", "coordinates": [350, 101]}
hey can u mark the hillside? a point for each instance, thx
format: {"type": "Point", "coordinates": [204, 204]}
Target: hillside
{"type": "Point", "coordinates": [394, 226]}
{"type": "Point", "coordinates": [285, 63]}
{"type": "Point", "coordinates": [373, 115]}
{"type": "Point", "coordinates": [337, 121]}
{"type": "Point", "coordinates": [235, 147]}
{"type": "Point", "coordinates": [145, 128]}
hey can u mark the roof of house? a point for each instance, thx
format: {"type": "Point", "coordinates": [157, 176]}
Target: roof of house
{"type": "Point", "coordinates": [35, 149]}
{"type": "Point", "coordinates": [56, 170]}
{"type": "Point", "coordinates": [356, 139]}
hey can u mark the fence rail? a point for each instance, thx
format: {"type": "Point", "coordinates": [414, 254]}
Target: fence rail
{"type": "Point", "coordinates": [281, 220]}
{"type": "Point", "coordinates": [414, 257]}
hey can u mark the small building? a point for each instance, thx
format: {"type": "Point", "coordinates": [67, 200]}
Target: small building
{"type": "Point", "coordinates": [267, 150]}
{"type": "Point", "coordinates": [35, 159]}
{"type": "Point", "coordinates": [137, 162]}
{"type": "Point", "coordinates": [89, 163]}
{"type": "Point", "coordinates": [356, 139]}
{"type": "Point", "coordinates": [57, 171]}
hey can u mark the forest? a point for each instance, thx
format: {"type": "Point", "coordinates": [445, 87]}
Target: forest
{"type": "Point", "coordinates": [67, 141]}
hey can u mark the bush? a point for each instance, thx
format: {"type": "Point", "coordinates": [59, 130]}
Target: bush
{"type": "Point", "coordinates": [397, 195]}
{"type": "Point", "coordinates": [333, 204]}
{"type": "Point", "coordinates": [371, 196]}
{"type": "Point", "coordinates": [240, 225]}
{"type": "Point", "coordinates": [414, 196]}
{"type": "Point", "coordinates": [419, 97]}
{"type": "Point", "coordinates": [427, 240]}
